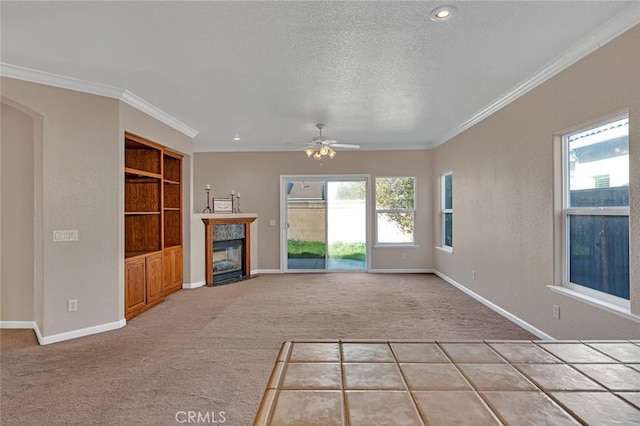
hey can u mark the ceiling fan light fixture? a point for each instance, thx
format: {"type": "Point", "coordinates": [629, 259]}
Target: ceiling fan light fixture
{"type": "Point", "coordinates": [442, 13]}
{"type": "Point", "coordinates": [321, 146]}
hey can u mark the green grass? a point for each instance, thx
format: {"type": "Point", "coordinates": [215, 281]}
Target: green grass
{"type": "Point", "coordinates": [298, 249]}
{"type": "Point", "coordinates": [354, 251]}
{"type": "Point", "coordinates": [305, 249]}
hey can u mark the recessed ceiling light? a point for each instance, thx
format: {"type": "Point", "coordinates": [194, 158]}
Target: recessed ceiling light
{"type": "Point", "coordinates": [442, 13]}
{"type": "Point", "coordinates": [236, 137]}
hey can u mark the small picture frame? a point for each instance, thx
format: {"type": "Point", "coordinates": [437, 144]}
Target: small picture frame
{"type": "Point", "coordinates": [223, 205]}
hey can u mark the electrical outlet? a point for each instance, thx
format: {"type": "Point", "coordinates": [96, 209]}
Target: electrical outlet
{"type": "Point", "coordinates": [72, 305]}
{"type": "Point", "coordinates": [473, 274]}
{"type": "Point", "coordinates": [272, 222]}
{"type": "Point", "coordinates": [556, 311]}
{"type": "Point", "coordinates": [403, 256]}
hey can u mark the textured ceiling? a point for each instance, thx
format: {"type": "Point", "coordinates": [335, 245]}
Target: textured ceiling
{"type": "Point", "coordinates": [378, 74]}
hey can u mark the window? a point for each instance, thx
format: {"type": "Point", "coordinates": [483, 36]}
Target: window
{"type": "Point", "coordinates": [447, 210]}
{"type": "Point", "coordinates": [596, 209]}
{"type": "Point", "coordinates": [395, 210]}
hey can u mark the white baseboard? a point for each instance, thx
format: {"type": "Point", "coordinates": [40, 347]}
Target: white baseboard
{"type": "Point", "coordinates": [194, 285]}
{"type": "Point", "coordinates": [266, 271]}
{"type": "Point", "coordinates": [39, 335]}
{"type": "Point", "coordinates": [508, 315]}
{"type": "Point", "coordinates": [46, 340]}
{"type": "Point", "coordinates": [68, 335]}
{"type": "Point", "coordinates": [401, 271]}
{"type": "Point", "coordinates": [82, 332]}
{"type": "Point", "coordinates": [18, 324]}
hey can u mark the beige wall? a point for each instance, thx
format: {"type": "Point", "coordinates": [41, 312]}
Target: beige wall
{"type": "Point", "coordinates": [79, 164]}
{"type": "Point", "coordinates": [503, 172]}
{"type": "Point", "coordinates": [257, 176]}
{"type": "Point", "coordinates": [80, 191]}
{"type": "Point", "coordinates": [17, 217]}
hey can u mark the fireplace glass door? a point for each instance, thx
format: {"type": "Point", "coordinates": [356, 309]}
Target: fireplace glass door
{"type": "Point", "coordinates": [228, 249]}
{"type": "Point", "coordinates": [227, 260]}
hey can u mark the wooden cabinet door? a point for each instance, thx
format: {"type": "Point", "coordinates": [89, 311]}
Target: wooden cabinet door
{"type": "Point", "coordinates": [172, 270]}
{"type": "Point", "coordinates": [134, 286]}
{"type": "Point", "coordinates": [154, 277]}
{"type": "Point", "coordinates": [167, 270]}
{"type": "Point", "coordinates": [177, 269]}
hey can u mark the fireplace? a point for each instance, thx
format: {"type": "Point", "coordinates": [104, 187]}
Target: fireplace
{"type": "Point", "coordinates": [227, 247]}
{"type": "Point", "coordinates": [227, 260]}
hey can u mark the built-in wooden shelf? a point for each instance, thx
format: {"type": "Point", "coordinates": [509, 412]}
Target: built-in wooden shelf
{"type": "Point", "coordinates": [139, 213]}
{"type": "Point", "coordinates": [132, 254]}
{"type": "Point", "coordinates": [141, 173]}
{"type": "Point", "coordinates": [172, 195]}
{"type": "Point", "coordinates": [172, 167]}
{"type": "Point", "coordinates": [152, 222]}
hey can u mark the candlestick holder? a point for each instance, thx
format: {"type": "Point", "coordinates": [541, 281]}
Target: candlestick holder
{"type": "Point", "coordinates": [208, 208]}
{"type": "Point", "coordinates": [235, 202]}
{"type": "Point", "coordinates": [235, 198]}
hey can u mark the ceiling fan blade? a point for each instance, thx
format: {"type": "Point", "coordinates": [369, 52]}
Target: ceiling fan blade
{"type": "Point", "coordinates": [322, 139]}
{"type": "Point", "coordinates": [345, 145]}
{"type": "Point", "coordinates": [296, 147]}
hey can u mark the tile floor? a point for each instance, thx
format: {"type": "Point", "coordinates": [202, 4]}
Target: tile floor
{"type": "Point", "coordinates": [444, 383]}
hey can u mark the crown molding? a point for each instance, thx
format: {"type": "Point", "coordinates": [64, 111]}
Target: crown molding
{"type": "Point", "coordinates": [70, 83]}
{"type": "Point", "coordinates": [611, 29]}
{"type": "Point", "coordinates": [61, 81]}
{"type": "Point", "coordinates": [144, 106]}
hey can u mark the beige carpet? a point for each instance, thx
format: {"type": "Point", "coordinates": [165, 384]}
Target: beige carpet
{"type": "Point", "coordinates": [212, 349]}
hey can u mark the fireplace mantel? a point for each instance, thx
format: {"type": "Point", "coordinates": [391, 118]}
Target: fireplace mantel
{"type": "Point", "coordinates": [227, 219]}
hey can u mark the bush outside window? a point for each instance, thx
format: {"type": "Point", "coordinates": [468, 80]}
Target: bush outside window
{"type": "Point", "coordinates": [395, 210]}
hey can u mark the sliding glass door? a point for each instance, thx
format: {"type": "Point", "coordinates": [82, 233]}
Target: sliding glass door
{"type": "Point", "coordinates": [325, 223]}
{"type": "Point", "coordinates": [346, 225]}
{"type": "Point", "coordinates": [306, 224]}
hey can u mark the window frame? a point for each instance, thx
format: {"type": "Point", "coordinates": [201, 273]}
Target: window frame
{"type": "Point", "coordinates": [567, 211]}
{"type": "Point", "coordinates": [412, 211]}
{"type": "Point", "coordinates": [444, 211]}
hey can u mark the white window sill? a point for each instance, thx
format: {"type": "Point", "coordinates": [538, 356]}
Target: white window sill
{"type": "Point", "coordinates": [447, 250]}
{"type": "Point", "coordinates": [622, 311]}
{"type": "Point", "coordinates": [396, 245]}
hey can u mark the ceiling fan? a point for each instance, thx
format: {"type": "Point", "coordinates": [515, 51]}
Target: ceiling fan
{"type": "Point", "coordinates": [321, 146]}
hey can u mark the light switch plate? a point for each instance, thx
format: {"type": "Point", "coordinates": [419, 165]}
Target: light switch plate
{"type": "Point", "coordinates": [61, 235]}
{"type": "Point", "coordinates": [272, 222]}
